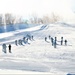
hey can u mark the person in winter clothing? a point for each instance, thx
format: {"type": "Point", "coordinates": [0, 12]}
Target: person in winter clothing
{"type": "Point", "coordinates": [32, 37]}
{"type": "Point", "coordinates": [54, 44]}
{"type": "Point", "coordinates": [65, 42]}
{"type": "Point", "coordinates": [28, 36]}
{"type": "Point", "coordinates": [61, 40]}
{"type": "Point", "coordinates": [49, 36]}
{"type": "Point", "coordinates": [45, 38]}
{"type": "Point", "coordinates": [16, 43]}
{"type": "Point", "coordinates": [27, 40]}
{"type": "Point", "coordinates": [24, 40]}
{"type": "Point", "coordinates": [9, 48]}
{"type": "Point", "coordinates": [4, 48]}
{"type": "Point", "coordinates": [52, 41]}
{"type": "Point", "coordinates": [20, 42]}
{"type": "Point", "coordinates": [55, 38]}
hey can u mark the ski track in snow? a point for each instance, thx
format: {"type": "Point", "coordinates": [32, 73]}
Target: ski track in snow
{"type": "Point", "coordinates": [40, 56]}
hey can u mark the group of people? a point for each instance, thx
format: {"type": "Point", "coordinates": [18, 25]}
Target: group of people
{"type": "Point", "coordinates": [17, 42]}
{"type": "Point", "coordinates": [24, 40]}
{"type": "Point", "coordinates": [54, 41]}
{"type": "Point", "coordinates": [28, 37]}
{"type": "Point", "coordinates": [4, 48]}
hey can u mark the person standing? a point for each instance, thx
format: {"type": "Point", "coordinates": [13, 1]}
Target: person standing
{"type": "Point", "coordinates": [20, 42]}
{"type": "Point", "coordinates": [16, 42]}
{"type": "Point", "coordinates": [52, 41]}
{"type": "Point", "coordinates": [54, 44]}
{"type": "Point", "coordinates": [45, 38]}
{"type": "Point", "coordinates": [9, 48]}
{"type": "Point", "coordinates": [65, 42]}
{"type": "Point", "coordinates": [4, 48]}
{"type": "Point", "coordinates": [61, 40]}
{"type": "Point", "coordinates": [49, 36]}
{"type": "Point", "coordinates": [27, 41]}
{"type": "Point", "coordinates": [32, 37]}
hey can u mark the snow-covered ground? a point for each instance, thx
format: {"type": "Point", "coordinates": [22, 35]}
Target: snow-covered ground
{"type": "Point", "coordinates": [39, 56]}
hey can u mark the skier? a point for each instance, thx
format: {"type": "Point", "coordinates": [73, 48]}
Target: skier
{"type": "Point", "coordinates": [4, 48]}
{"type": "Point", "coordinates": [9, 48]}
{"type": "Point", "coordinates": [65, 42]}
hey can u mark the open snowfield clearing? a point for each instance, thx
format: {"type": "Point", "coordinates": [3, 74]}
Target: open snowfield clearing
{"type": "Point", "coordinates": [39, 56]}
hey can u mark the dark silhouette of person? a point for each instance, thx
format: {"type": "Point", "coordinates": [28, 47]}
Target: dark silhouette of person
{"type": "Point", "coordinates": [52, 40]}
{"type": "Point", "coordinates": [55, 38]}
{"type": "Point", "coordinates": [32, 37]}
{"type": "Point", "coordinates": [9, 48]}
{"type": "Point", "coordinates": [24, 38]}
{"type": "Point", "coordinates": [54, 44]}
{"type": "Point", "coordinates": [20, 42]}
{"type": "Point", "coordinates": [61, 40]}
{"type": "Point", "coordinates": [4, 48]}
{"type": "Point", "coordinates": [49, 36]}
{"type": "Point", "coordinates": [16, 42]}
{"type": "Point", "coordinates": [65, 42]}
{"type": "Point", "coordinates": [28, 36]}
{"type": "Point", "coordinates": [45, 38]}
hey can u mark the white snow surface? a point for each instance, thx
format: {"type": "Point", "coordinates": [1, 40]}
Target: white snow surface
{"type": "Point", "coordinates": [39, 56]}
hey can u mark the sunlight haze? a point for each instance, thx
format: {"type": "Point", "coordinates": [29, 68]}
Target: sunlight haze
{"type": "Point", "coordinates": [39, 7]}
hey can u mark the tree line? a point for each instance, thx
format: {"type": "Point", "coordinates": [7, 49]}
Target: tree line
{"type": "Point", "coordinates": [9, 18]}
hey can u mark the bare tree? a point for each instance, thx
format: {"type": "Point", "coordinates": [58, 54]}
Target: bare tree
{"type": "Point", "coordinates": [50, 19]}
{"type": "Point", "coordinates": [9, 18]}
{"type": "Point", "coordinates": [34, 19]}
{"type": "Point", "coordinates": [46, 19]}
{"type": "Point", "coordinates": [54, 17]}
{"type": "Point", "coordinates": [1, 19]}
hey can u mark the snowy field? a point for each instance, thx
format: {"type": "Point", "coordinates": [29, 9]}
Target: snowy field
{"type": "Point", "coordinates": [39, 56]}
